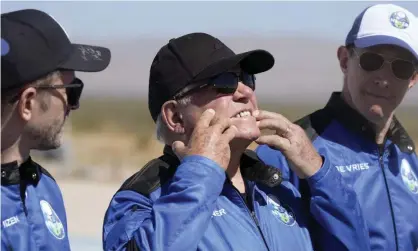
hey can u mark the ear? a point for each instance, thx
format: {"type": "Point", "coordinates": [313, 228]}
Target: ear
{"type": "Point", "coordinates": [172, 117]}
{"type": "Point", "coordinates": [413, 81]}
{"type": "Point", "coordinates": [26, 103]}
{"type": "Point", "coordinates": [343, 56]}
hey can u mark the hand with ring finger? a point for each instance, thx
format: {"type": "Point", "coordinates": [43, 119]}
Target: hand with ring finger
{"type": "Point", "coordinates": [291, 140]}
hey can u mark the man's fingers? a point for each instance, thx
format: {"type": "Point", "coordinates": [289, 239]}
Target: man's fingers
{"type": "Point", "coordinates": [179, 149]}
{"type": "Point", "coordinates": [274, 141]}
{"type": "Point", "coordinates": [261, 114]}
{"type": "Point", "coordinates": [230, 133]}
{"type": "Point", "coordinates": [205, 118]}
{"type": "Point", "coordinates": [281, 127]}
{"type": "Point", "coordinates": [221, 125]}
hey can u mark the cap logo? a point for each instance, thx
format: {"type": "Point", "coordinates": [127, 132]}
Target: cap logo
{"type": "Point", "coordinates": [5, 48]}
{"type": "Point", "coordinates": [399, 20]}
{"type": "Point", "coordinates": [89, 53]}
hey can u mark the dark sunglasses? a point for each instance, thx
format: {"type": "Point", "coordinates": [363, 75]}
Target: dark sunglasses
{"type": "Point", "coordinates": [225, 83]}
{"type": "Point", "coordinates": [72, 89]}
{"type": "Point", "coordinates": [401, 68]}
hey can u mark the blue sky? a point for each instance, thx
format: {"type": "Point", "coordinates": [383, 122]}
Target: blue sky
{"type": "Point", "coordinates": [105, 22]}
{"type": "Point", "coordinates": [105, 19]}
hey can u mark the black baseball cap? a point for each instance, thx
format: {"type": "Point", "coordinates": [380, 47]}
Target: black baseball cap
{"type": "Point", "coordinates": [195, 57]}
{"type": "Point", "coordinates": [33, 44]}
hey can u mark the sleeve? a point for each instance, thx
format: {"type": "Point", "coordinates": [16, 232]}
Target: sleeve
{"type": "Point", "coordinates": [336, 219]}
{"type": "Point", "coordinates": [175, 221]}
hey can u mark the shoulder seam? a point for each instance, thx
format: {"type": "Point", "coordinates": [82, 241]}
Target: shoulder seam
{"type": "Point", "coordinates": [44, 171]}
{"type": "Point", "coordinates": [151, 176]}
{"type": "Point", "coordinates": [315, 123]}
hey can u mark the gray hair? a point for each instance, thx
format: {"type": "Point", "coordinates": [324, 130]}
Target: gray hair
{"type": "Point", "coordinates": [162, 132]}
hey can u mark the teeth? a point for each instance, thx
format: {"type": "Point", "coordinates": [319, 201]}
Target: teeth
{"type": "Point", "coordinates": [243, 114]}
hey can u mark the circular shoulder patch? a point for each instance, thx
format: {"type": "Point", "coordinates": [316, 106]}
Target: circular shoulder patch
{"type": "Point", "coordinates": [52, 221]}
{"type": "Point", "coordinates": [408, 177]}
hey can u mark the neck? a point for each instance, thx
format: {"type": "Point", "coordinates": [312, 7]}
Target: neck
{"type": "Point", "coordinates": [14, 152]}
{"type": "Point", "coordinates": [233, 171]}
{"type": "Point", "coordinates": [381, 127]}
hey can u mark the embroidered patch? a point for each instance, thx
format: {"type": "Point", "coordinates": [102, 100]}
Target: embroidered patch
{"type": "Point", "coordinates": [52, 221]}
{"type": "Point", "coordinates": [283, 212]}
{"type": "Point", "coordinates": [409, 178]}
{"type": "Point", "coordinates": [399, 20]}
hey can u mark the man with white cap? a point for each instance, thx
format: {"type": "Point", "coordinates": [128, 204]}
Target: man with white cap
{"type": "Point", "coordinates": [359, 133]}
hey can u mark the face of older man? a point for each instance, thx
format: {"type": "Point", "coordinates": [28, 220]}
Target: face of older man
{"type": "Point", "coordinates": [237, 106]}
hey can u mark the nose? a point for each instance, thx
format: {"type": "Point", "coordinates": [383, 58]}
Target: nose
{"type": "Point", "coordinates": [243, 93]}
{"type": "Point", "coordinates": [385, 76]}
{"type": "Point", "coordinates": [382, 83]}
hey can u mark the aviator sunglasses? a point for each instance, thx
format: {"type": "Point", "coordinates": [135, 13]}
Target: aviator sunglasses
{"type": "Point", "coordinates": [401, 68]}
{"type": "Point", "coordinates": [225, 83]}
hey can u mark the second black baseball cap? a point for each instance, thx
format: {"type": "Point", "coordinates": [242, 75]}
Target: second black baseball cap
{"type": "Point", "coordinates": [194, 57]}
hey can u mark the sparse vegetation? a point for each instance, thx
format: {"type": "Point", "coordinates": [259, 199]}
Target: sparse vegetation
{"type": "Point", "coordinates": [132, 116]}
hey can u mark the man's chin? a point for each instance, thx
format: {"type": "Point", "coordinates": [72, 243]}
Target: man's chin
{"type": "Point", "coordinates": [247, 129]}
{"type": "Point", "coordinates": [50, 144]}
{"type": "Point", "coordinates": [48, 147]}
{"type": "Point", "coordinates": [376, 114]}
{"type": "Point", "coordinates": [248, 134]}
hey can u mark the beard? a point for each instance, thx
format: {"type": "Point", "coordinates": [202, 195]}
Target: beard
{"type": "Point", "coordinates": [47, 137]}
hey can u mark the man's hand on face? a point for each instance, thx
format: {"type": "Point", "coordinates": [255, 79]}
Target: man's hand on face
{"type": "Point", "coordinates": [291, 140]}
{"type": "Point", "coordinates": [210, 138]}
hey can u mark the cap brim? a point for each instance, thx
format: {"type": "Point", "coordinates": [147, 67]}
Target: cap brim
{"type": "Point", "coordinates": [252, 62]}
{"type": "Point", "coordinates": [369, 41]}
{"type": "Point", "coordinates": [87, 58]}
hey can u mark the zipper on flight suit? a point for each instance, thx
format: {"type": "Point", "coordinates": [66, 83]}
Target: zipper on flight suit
{"type": "Point", "coordinates": [250, 210]}
{"type": "Point", "coordinates": [382, 167]}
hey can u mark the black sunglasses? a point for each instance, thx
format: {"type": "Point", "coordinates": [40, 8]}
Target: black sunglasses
{"type": "Point", "coordinates": [401, 68]}
{"type": "Point", "coordinates": [225, 83]}
{"type": "Point", "coordinates": [73, 90]}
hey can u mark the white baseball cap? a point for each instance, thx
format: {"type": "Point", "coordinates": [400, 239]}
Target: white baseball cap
{"type": "Point", "coordinates": [385, 24]}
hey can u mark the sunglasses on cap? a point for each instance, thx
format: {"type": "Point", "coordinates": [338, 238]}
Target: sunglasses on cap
{"type": "Point", "coordinates": [72, 89]}
{"type": "Point", "coordinates": [225, 83]}
{"type": "Point", "coordinates": [402, 69]}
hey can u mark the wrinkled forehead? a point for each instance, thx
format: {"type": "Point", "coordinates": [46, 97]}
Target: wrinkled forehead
{"type": "Point", "coordinates": [392, 51]}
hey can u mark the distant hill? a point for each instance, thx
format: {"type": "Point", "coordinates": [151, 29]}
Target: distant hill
{"type": "Point", "coordinates": [306, 69]}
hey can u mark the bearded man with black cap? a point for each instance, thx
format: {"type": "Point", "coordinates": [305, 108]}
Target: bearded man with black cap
{"type": "Point", "coordinates": [39, 89]}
